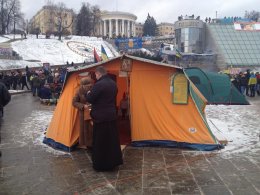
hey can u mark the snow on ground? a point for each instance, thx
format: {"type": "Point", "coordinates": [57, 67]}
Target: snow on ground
{"type": "Point", "coordinates": [3, 39]}
{"type": "Point", "coordinates": [73, 49]}
{"type": "Point", "coordinates": [33, 51]}
{"type": "Point", "coordinates": [239, 124]}
{"type": "Point", "coordinates": [13, 64]}
{"type": "Point", "coordinates": [36, 125]}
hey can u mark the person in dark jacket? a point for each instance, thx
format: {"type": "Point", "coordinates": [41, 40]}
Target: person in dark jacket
{"type": "Point", "coordinates": [45, 92]}
{"type": "Point", "coordinates": [242, 82]}
{"type": "Point", "coordinates": [24, 82]}
{"type": "Point", "coordinates": [5, 98]}
{"type": "Point", "coordinates": [247, 77]}
{"type": "Point", "coordinates": [106, 154]}
{"type": "Point", "coordinates": [36, 84]}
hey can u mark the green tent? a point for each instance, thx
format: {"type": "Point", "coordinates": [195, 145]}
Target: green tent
{"type": "Point", "coordinates": [216, 88]}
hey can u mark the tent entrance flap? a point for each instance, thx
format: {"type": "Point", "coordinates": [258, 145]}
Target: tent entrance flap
{"type": "Point", "coordinates": [123, 109]}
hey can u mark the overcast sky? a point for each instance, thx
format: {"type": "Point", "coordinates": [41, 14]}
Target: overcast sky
{"type": "Point", "coordinates": [161, 10]}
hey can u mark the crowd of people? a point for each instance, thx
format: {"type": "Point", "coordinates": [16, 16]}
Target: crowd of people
{"type": "Point", "coordinates": [248, 83]}
{"type": "Point", "coordinates": [45, 83]}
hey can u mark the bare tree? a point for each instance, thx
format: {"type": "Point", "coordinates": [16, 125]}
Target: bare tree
{"type": "Point", "coordinates": [7, 7]}
{"type": "Point", "coordinates": [17, 17]}
{"type": "Point", "coordinates": [253, 15]}
{"type": "Point", "coordinates": [60, 18]}
{"type": "Point", "coordinates": [96, 17]}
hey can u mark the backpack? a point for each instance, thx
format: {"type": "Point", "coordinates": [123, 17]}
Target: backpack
{"type": "Point", "coordinates": [6, 96]}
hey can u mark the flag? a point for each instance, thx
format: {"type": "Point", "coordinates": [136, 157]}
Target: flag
{"type": "Point", "coordinates": [178, 53]}
{"type": "Point", "coordinates": [103, 53]}
{"type": "Point", "coordinates": [96, 56]}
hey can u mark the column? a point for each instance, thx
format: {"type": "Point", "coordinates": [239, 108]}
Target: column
{"type": "Point", "coordinates": [128, 28]}
{"type": "Point", "coordinates": [123, 27]}
{"type": "Point", "coordinates": [110, 28]}
{"type": "Point", "coordinates": [134, 28]}
{"type": "Point", "coordinates": [100, 27]}
{"type": "Point", "coordinates": [116, 27]}
{"type": "Point", "coordinates": [105, 28]}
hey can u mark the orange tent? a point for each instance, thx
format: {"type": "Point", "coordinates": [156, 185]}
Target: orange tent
{"type": "Point", "coordinates": [165, 107]}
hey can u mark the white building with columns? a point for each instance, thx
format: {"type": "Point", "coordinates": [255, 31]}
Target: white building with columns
{"type": "Point", "coordinates": [115, 23]}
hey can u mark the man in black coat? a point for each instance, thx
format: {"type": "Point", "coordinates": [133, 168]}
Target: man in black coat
{"type": "Point", "coordinates": [106, 153]}
{"type": "Point", "coordinates": [5, 97]}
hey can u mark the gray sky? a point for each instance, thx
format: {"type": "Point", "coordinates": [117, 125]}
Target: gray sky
{"type": "Point", "coordinates": [161, 10]}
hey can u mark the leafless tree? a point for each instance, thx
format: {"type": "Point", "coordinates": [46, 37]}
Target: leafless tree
{"type": "Point", "coordinates": [59, 18]}
{"type": "Point", "coordinates": [96, 17]}
{"type": "Point", "coordinates": [253, 15]}
{"type": "Point", "coordinates": [17, 17]}
{"type": "Point", "coordinates": [7, 7]}
{"type": "Point", "coordinates": [10, 12]}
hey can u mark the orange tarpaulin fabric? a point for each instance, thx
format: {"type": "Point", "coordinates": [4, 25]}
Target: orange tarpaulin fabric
{"type": "Point", "coordinates": [154, 116]}
{"type": "Point", "coordinates": [64, 126]}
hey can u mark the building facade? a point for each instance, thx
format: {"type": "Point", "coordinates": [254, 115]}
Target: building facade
{"type": "Point", "coordinates": [190, 35]}
{"type": "Point", "coordinates": [165, 29]}
{"type": "Point", "coordinates": [139, 29]}
{"type": "Point", "coordinates": [224, 43]}
{"type": "Point", "coordinates": [47, 18]}
{"type": "Point", "coordinates": [115, 23]}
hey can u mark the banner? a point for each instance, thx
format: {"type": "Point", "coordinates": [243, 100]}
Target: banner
{"type": "Point", "coordinates": [131, 43]}
{"type": "Point", "coordinates": [180, 89]}
{"type": "Point", "coordinates": [247, 26]}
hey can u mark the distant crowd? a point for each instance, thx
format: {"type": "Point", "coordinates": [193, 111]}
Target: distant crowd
{"type": "Point", "coordinates": [248, 83]}
{"type": "Point", "coordinates": [45, 83]}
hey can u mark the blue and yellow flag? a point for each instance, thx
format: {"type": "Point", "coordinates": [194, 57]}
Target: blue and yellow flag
{"type": "Point", "coordinates": [178, 53]}
{"type": "Point", "coordinates": [103, 54]}
{"type": "Point", "coordinates": [96, 56]}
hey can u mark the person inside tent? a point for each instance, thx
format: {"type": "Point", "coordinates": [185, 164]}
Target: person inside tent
{"type": "Point", "coordinates": [106, 153]}
{"type": "Point", "coordinates": [79, 101]}
{"type": "Point", "coordinates": [124, 105]}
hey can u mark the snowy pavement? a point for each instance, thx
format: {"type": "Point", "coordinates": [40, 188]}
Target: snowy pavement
{"type": "Point", "coordinates": [27, 166]}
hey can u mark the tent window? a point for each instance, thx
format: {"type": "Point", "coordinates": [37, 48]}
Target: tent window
{"type": "Point", "coordinates": [195, 79]}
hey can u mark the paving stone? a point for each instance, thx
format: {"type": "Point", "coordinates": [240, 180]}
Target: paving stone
{"type": "Point", "coordinates": [245, 165]}
{"type": "Point", "coordinates": [129, 182]}
{"type": "Point", "coordinates": [29, 168]}
{"type": "Point", "coordinates": [215, 190]}
{"type": "Point", "coordinates": [155, 178]}
{"type": "Point", "coordinates": [184, 180]}
{"type": "Point", "coordinates": [194, 190]}
{"type": "Point", "coordinates": [242, 191]}
{"type": "Point", "coordinates": [206, 180]}
{"type": "Point", "coordinates": [157, 191]}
